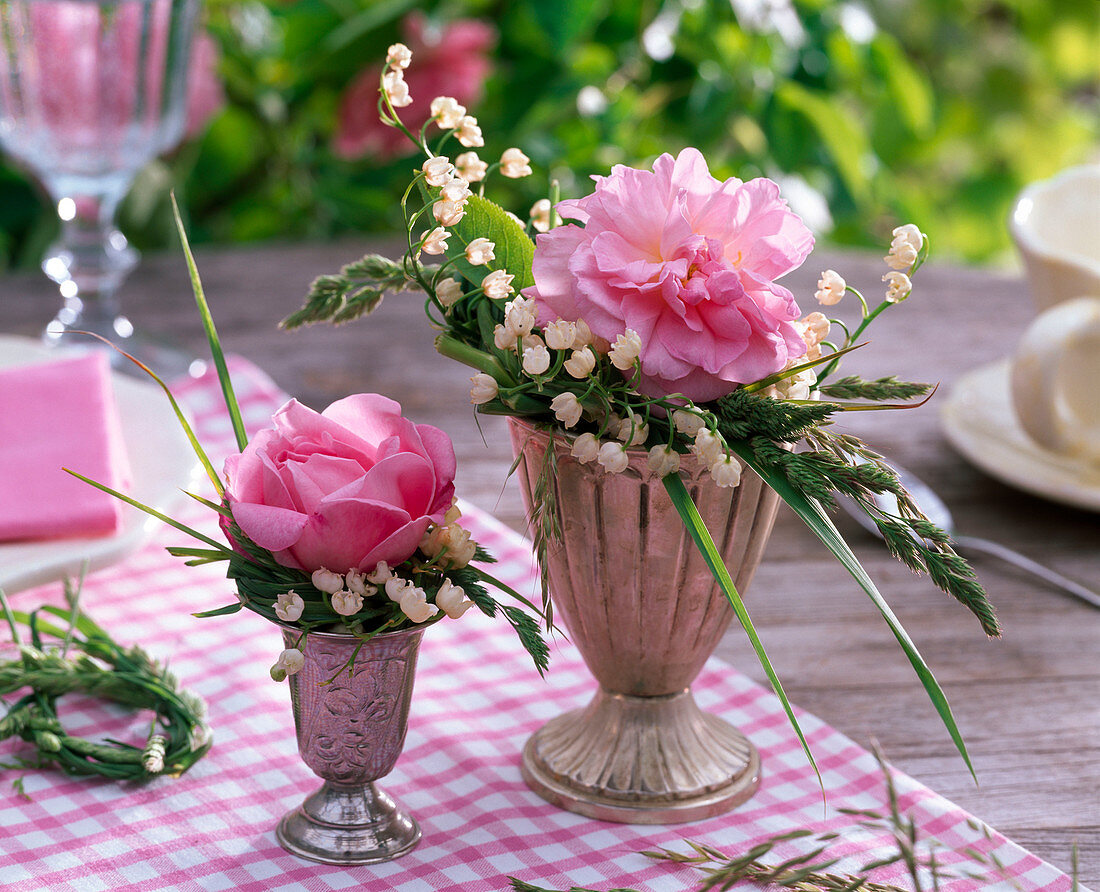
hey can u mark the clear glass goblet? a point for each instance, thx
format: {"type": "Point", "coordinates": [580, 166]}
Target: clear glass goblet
{"type": "Point", "coordinates": [90, 92]}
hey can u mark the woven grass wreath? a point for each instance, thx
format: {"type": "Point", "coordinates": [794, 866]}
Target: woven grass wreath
{"type": "Point", "coordinates": [101, 668]}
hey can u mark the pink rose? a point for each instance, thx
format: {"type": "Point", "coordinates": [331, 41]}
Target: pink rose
{"type": "Point", "coordinates": [688, 263]}
{"type": "Point", "coordinates": [343, 489]}
{"type": "Point", "coordinates": [449, 61]}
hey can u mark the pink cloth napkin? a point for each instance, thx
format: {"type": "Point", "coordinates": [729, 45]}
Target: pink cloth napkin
{"type": "Point", "coordinates": [58, 415]}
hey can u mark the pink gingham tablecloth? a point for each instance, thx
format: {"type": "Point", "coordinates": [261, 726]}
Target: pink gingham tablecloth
{"type": "Point", "coordinates": [477, 699]}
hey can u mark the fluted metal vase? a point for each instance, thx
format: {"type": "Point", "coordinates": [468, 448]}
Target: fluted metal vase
{"type": "Point", "coordinates": [643, 610]}
{"type": "Point", "coordinates": [350, 733]}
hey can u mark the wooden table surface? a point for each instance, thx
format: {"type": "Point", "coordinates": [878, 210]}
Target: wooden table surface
{"type": "Point", "coordinates": [1028, 704]}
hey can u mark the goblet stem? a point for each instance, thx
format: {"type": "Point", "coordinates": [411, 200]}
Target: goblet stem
{"type": "Point", "coordinates": [89, 262]}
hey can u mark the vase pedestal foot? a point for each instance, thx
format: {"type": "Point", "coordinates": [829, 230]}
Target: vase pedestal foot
{"type": "Point", "coordinates": [348, 825]}
{"type": "Point", "coordinates": [642, 760]}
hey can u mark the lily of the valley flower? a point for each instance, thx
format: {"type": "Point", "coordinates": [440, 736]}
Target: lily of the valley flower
{"type": "Point", "coordinates": [625, 350]}
{"type": "Point", "coordinates": [446, 112]}
{"type": "Point", "coordinates": [398, 56]}
{"type": "Point", "coordinates": [585, 449]}
{"type": "Point", "coordinates": [519, 315]}
{"type": "Point", "coordinates": [540, 215]}
{"type": "Point", "coordinates": [395, 588]}
{"type": "Point", "coordinates": [448, 213]}
{"type": "Point", "coordinates": [471, 168]}
{"type": "Point", "coordinates": [581, 363]}
{"type": "Point", "coordinates": [289, 662]}
{"type": "Point", "coordinates": [438, 170]}
{"type": "Point", "coordinates": [830, 288]}
{"type": "Point", "coordinates": [514, 164]}
{"type": "Point", "coordinates": [726, 471]}
{"type": "Point", "coordinates": [708, 446]}
{"type": "Point", "coordinates": [536, 359]}
{"type": "Point", "coordinates": [397, 90]}
{"type": "Point", "coordinates": [381, 574]}
{"type": "Point", "coordinates": [435, 242]}
{"type": "Point", "coordinates": [898, 286]}
{"type": "Point", "coordinates": [452, 600]}
{"type": "Point", "coordinates": [449, 292]}
{"type": "Point", "coordinates": [289, 606]}
{"type": "Point", "coordinates": [357, 582]}
{"type": "Point", "coordinates": [613, 457]}
{"type": "Point", "coordinates": [457, 191]}
{"type": "Point", "coordinates": [497, 285]}
{"type": "Point", "coordinates": [663, 461]}
{"type": "Point", "coordinates": [632, 432]}
{"type": "Point", "coordinates": [469, 133]}
{"type": "Point", "coordinates": [326, 581]}
{"type": "Point", "coordinates": [504, 338]}
{"type": "Point", "coordinates": [560, 334]}
{"type": "Point", "coordinates": [480, 251]}
{"type": "Point", "coordinates": [687, 423]}
{"type": "Point", "coordinates": [414, 604]}
{"type": "Point", "coordinates": [567, 408]}
{"type": "Point", "coordinates": [905, 247]}
{"type": "Point", "coordinates": [347, 603]}
{"type": "Point", "coordinates": [483, 389]}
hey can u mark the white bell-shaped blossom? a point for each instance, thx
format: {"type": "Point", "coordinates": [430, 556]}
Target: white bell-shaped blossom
{"type": "Point", "coordinates": [470, 167]}
{"type": "Point", "coordinates": [347, 603]}
{"type": "Point", "coordinates": [625, 350]}
{"type": "Point", "coordinates": [438, 170]}
{"type": "Point", "coordinates": [452, 600]}
{"type": "Point", "coordinates": [497, 285]}
{"type": "Point", "coordinates": [514, 164]}
{"type": "Point", "coordinates": [449, 292]}
{"type": "Point", "coordinates": [289, 606]}
{"type": "Point", "coordinates": [480, 251]}
{"type": "Point", "coordinates": [898, 287]}
{"type": "Point", "coordinates": [483, 388]}
{"type": "Point", "coordinates": [581, 363]}
{"type": "Point", "coordinates": [830, 288]}
{"type": "Point", "coordinates": [326, 581]}
{"type": "Point", "coordinates": [446, 112]}
{"type": "Point", "coordinates": [567, 408]}
{"type": "Point", "coordinates": [663, 461]}
{"type": "Point", "coordinates": [613, 457]}
{"type": "Point", "coordinates": [585, 449]}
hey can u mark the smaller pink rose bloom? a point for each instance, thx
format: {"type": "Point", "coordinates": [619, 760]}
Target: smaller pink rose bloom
{"type": "Point", "coordinates": [342, 489]}
{"type": "Point", "coordinates": [452, 61]}
{"type": "Point", "coordinates": [687, 262]}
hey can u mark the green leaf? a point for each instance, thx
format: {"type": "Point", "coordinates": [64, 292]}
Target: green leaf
{"type": "Point", "coordinates": [910, 91]}
{"type": "Point", "coordinates": [563, 22]}
{"type": "Point", "coordinates": [695, 526]}
{"type": "Point", "coordinates": [514, 249]}
{"type": "Point", "coordinates": [840, 132]}
{"type": "Point", "coordinates": [164, 518]}
{"type": "Point", "coordinates": [221, 611]}
{"type": "Point", "coordinates": [211, 334]}
{"type": "Point", "coordinates": [814, 516]}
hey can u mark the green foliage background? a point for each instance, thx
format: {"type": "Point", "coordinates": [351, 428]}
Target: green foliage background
{"type": "Point", "coordinates": [934, 111]}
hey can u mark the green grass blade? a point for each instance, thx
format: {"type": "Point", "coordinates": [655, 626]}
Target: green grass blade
{"type": "Point", "coordinates": [211, 334]}
{"type": "Point", "coordinates": [152, 512]}
{"type": "Point", "coordinates": [814, 516]}
{"type": "Point", "coordinates": [689, 514]}
{"type": "Point", "coordinates": [187, 429]}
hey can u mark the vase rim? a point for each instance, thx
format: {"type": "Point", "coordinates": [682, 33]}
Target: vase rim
{"type": "Point", "coordinates": [344, 636]}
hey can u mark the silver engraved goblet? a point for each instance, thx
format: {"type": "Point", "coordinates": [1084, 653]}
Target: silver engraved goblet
{"type": "Point", "coordinates": [351, 728]}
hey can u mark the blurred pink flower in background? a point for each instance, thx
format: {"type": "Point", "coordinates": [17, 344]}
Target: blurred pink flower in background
{"type": "Point", "coordinates": [205, 93]}
{"type": "Point", "coordinates": [687, 262]}
{"type": "Point", "coordinates": [451, 60]}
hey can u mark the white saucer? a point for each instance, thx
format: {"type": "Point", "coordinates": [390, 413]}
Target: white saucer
{"type": "Point", "coordinates": [162, 464]}
{"type": "Point", "coordinates": [980, 423]}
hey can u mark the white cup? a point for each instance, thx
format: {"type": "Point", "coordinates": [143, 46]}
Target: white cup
{"type": "Point", "coordinates": [1056, 225]}
{"type": "Point", "coordinates": [1056, 380]}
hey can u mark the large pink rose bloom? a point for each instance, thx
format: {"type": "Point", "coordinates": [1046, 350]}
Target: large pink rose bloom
{"type": "Point", "coordinates": [448, 61]}
{"type": "Point", "coordinates": [343, 489]}
{"type": "Point", "coordinates": [687, 262]}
